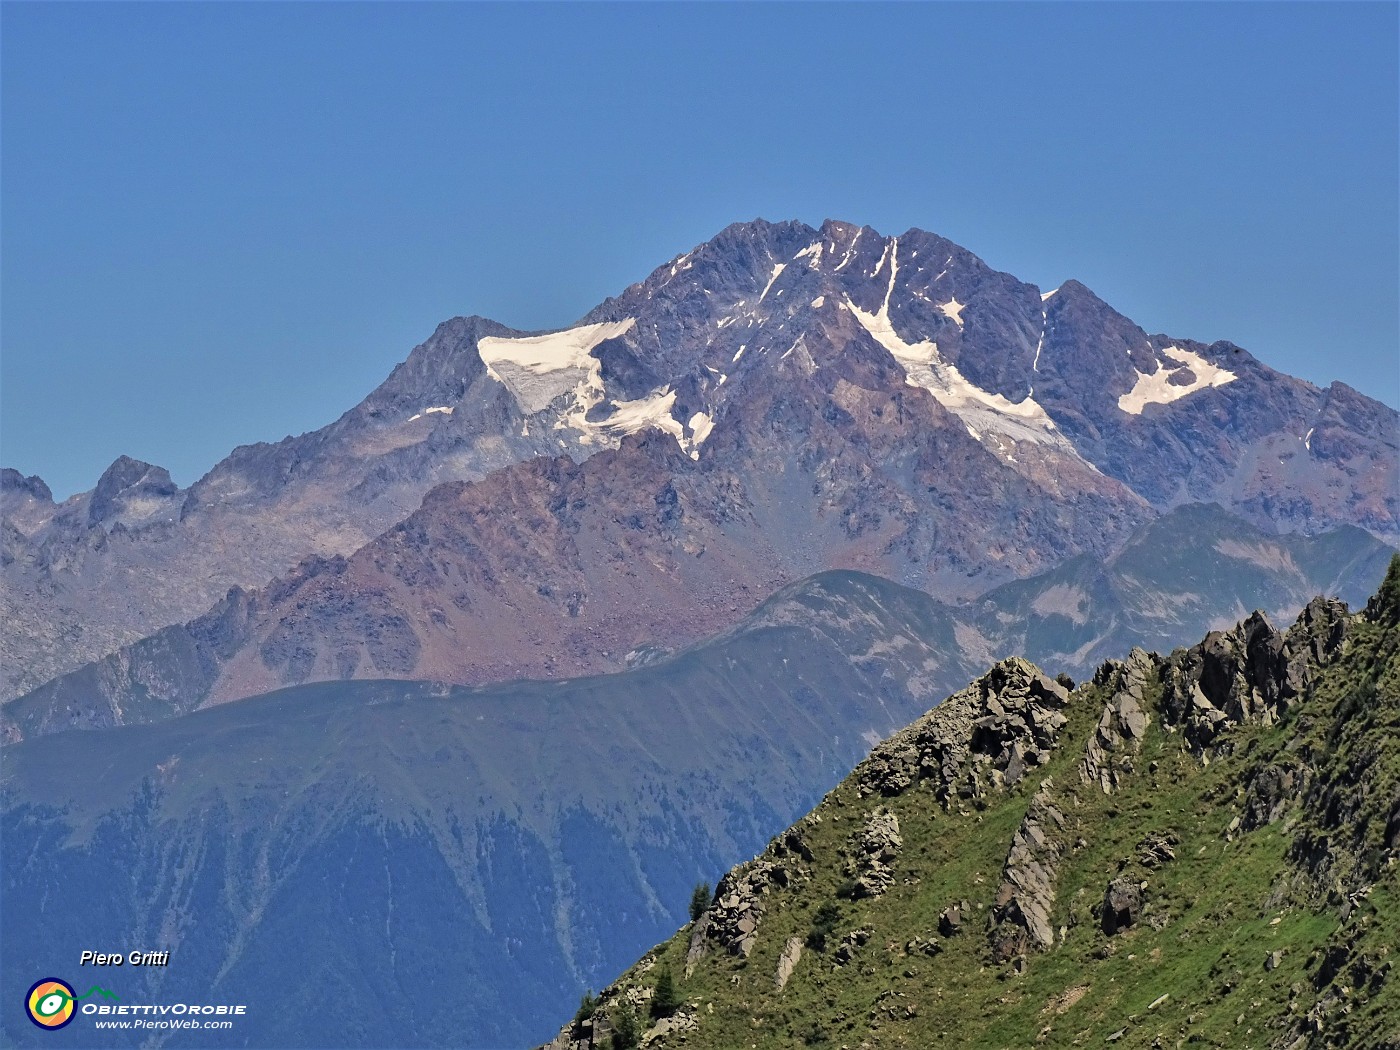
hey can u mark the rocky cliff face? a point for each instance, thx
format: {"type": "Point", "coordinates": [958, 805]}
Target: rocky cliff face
{"type": "Point", "coordinates": [1199, 848]}
{"type": "Point", "coordinates": [889, 403]}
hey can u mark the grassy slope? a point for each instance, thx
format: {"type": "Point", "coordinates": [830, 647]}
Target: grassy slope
{"type": "Point", "coordinates": [1212, 916]}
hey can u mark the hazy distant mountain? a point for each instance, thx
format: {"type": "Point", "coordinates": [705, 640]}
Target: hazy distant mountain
{"type": "Point", "coordinates": [848, 399]}
{"type": "Point", "coordinates": [403, 864]}
{"type": "Point", "coordinates": [489, 582]}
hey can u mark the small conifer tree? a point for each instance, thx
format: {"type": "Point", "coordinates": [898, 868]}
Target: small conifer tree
{"type": "Point", "coordinates": [626, 1032]}
{"type": "Point", "coordinates": [699, 900]}
{"type": "Point", "coordinates": [665, 1000]}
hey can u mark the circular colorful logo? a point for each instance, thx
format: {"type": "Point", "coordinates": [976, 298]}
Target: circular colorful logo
{"type": "Point", "coordinates": [50, 1003]}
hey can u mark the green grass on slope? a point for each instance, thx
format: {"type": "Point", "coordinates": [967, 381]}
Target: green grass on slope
{"type": "Point", "coordinates": [1191, 972]}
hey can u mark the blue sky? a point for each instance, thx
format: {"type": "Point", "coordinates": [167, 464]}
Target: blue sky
{"type": "Point", "coordinates": [226, 223]}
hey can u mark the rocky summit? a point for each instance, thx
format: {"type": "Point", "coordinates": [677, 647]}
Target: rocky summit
{"type": "Point", "coordinates": [1193, 849]}
{"type": "Point", "coordinates": [776, 402]}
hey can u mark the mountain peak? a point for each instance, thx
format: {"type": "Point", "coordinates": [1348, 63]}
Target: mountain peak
{"type": "Point", "coordinates": [14, 484]}
{"type": "Point", "coordinates": [130, 487]}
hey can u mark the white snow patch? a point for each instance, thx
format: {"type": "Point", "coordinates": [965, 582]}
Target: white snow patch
{"type": "Point", "coordinates": [1156, 388]}
{"type": "Point", "coordinates": [1307, 439]}
{"type": "Point", "coordinates": [819, 302]}
{"type": "Point", "coordinates": [725, 321]}
{"type": "Point", "coordinates": [444, 409]}
{"type": "Point", "coordinates": [979, 410]}
{"type": "Point", "coordinates": [536, 369]}
{"type": "Point", "coordinates": [681, 263]}
{"type": "Point", "coordinates": [883, 256]}
{"type": "Point", "coordinates": [1047, 295]}
{"type": "Point", "coordinates": [700, 426]}
{"type": "Point", "coordinates": [814, 251]}
{"type": "Point", "coordinates": [953, 309]}
{"type": "Point", "coordinates": [850, 250]}
{"type": "Point", "coordinates": [778, 268]}
{"type": "Point", "coordinates": [740, 352]}
{"type": "Point", "coordinates": [1040, 343]}
{"type": "Point", "coordinates": [654, 410]}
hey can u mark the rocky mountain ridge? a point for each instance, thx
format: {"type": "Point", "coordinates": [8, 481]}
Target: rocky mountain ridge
{"type": "Point", "coordinates": [1200, 848]}
{"type": "Point", "coordinates": [555, 574]}
{"type": "Point", "coordinates": [894, 398]}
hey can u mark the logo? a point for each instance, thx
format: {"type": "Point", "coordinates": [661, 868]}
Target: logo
{"type": "Point", "coordinates": [51, 1002]}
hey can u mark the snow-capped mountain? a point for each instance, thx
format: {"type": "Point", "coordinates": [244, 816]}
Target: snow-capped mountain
{"type": "Point", "coordinates": [779, 400]}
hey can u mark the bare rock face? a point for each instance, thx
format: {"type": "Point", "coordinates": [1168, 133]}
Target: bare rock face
{"type": "Point", "coordinates": [1270, 790]}
{"type": "Point", "coordinates": [695, 950]}
{"type": "Point", "coordinates": [878, 846]}
{"type": "Point", "coordinates": [787, 962]}
{"type": "Point", "coordinates": [733, 919]}
{"type": "Point", "coordinates": [1122, 906]}
{"type": "Point", "coordinates": [983, 738]}
{"type": "Point", "coordinates": [1123, 722]}
{"type": "Point", "coordinates": [1027, 893]}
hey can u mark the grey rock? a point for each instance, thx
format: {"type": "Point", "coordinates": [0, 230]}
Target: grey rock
{"type": "Point", "coordinates": [1122, 724]}
{"type": "Point", "coordinates": [787, 962]}
{"type": "Point", "coordinates": [1251, 674]}
{"type": "Point", "coordinates": [985, 737]}
{"type": "Point", "coordinates": [1021, 912]}
{"type": "Point", "coordinates": [878, 845]}
{"type": "Point", "coordinates": [1122, 906]}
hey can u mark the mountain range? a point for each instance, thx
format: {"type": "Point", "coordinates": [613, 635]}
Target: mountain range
{"type": "Point", "coordinates": [490, 850]}
{"type": "Point", "coordinates": [483, 677]}
{"type": "Point", "coordinates": [494, 610]}
{"type": "Point", "coordinates": [778, 401]}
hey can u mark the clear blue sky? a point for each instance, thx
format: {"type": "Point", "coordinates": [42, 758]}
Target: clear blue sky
{"type": "Point", "coordinates": [224, 224]}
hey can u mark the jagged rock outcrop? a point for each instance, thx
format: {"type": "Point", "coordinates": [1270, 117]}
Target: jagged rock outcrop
{"type": "Point", "coordinates": [732, 920]}
{"type": "Point", "coordinates": [983, 738]}
{"type": "Point", "coordinates": [1123, 722]}
{"type": "Point", "coordinates": [876, 850]}
{"type": "Point", "coordinates": [1250, 674]}
{"type": "Point", "coordinates": [1269, 790]}
{"type": "Point", "coordinates": [1027, 892]}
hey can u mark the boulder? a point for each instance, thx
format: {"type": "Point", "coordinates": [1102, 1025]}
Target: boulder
{"type": "Point", "coordinates": [787, 962]}
{"type": "Point", "coordinates": [1122, 906]}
